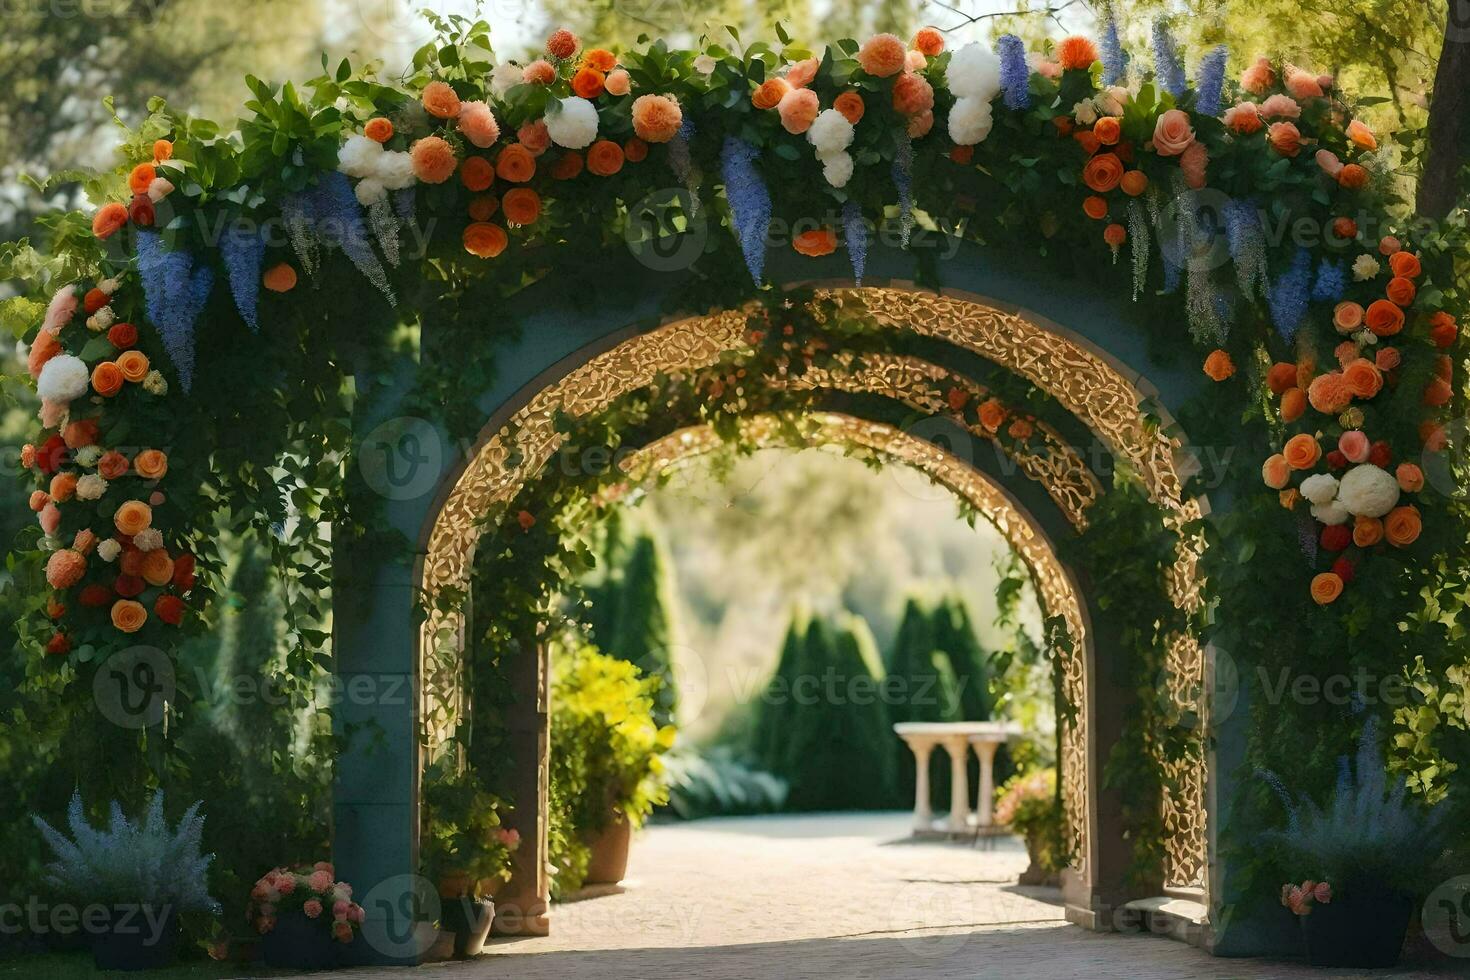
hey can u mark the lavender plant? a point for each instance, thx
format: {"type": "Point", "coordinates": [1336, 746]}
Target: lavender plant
{"type": "Point", "coordinates": [131, 862]}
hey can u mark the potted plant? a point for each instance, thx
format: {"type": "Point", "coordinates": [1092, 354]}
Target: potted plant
{"type": "Point", "coordinates": [303, 914]}
{"type": "Point", "coordinates": [607, 763]}
{"type": "Point", "coordinates": [467, 851]}
{"type": "Point", "coordinates": [1028, 804]}
{"type": "Point", "coordinates": [1366, 856]}
{"type": "Point", "coordinates": [143, 874]}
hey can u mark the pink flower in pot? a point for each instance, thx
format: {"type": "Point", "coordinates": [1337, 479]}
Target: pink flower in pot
{"type": "Point", "coordinates": [312, 908]}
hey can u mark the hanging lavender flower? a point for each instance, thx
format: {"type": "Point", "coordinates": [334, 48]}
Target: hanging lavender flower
{"type": "Point", "coordinates": [1274, 781]}
{"type": "Point", "coordinates": [174, 294]}
{"type": "Point", "coordinates": [1306, 534]}
{"type": "Point", "coordinates": [403, 205]}
{"type": "Point", "coordinates": [1211, 82]}
{"type": "Point", "coordinates": [1168, 68]}
{"type": "Point", "coordinates": [681, 163]}
{"type": "Point", "coordinates": [750, 201]}
{"type": "Point", "coordinates": [339, 225]}
{"type": "Point", "coordinates": [1138, 241]}
{"type": "Point", "coordinates": [297, 211]}
{"type": "Point", "coordinates": [903, 181]}
{"type": "Point", "coordinates": [1331, 282]}
{"type": "Point", "coordinates": [855, 231]}
{"type": "Point", "coordinates": [242, 249]}
{"type": "Point", "coordinates": [1247, 243]}
{"type": "Point", "coordinates": [384, 223]}
{"type": "Point", "coordinates": [1015, 73]}
{"type": "Point", "coordinates": [1115, 62]}
{"type": "Point", "coordinates": [1290, 294]}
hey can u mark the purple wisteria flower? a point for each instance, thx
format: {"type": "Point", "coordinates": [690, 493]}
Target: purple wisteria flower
{"type": "Point", "coordinates": [1168, 67]}
{"type": "Point", "coordinates": [174, 294]}
{"type": "Point", "coordinates": [1211, 81]}
{"type": "Point", "coordinates": [750, 202]}
{"type": "Point", "coordinates": [1015, 73]}
{"type": "Point", "coordinates": [855, 232]}
{"type": "Point", "coordinates": [1290, 295]}
{"type": "Point", "coordinates": [1331, 282]}
{"type": "Point", "coordinates": [1115, 61]}
{"type": "Point", "coordinates": [242, 250]}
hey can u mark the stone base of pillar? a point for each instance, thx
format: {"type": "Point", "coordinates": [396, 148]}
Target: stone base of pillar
{"type": "Point", "coordinates": [514, 918]}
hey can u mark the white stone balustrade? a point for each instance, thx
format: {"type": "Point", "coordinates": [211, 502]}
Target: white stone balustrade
{"type": "Point", "coordinates": [957, 738]}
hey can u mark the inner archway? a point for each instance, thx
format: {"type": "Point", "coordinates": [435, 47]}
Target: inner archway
{"type": "Point", "coordinates": [1105, 396]}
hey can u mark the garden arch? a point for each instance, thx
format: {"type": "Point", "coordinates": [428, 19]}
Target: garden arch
{"type": "Point", "coordinates": [1048, 496]}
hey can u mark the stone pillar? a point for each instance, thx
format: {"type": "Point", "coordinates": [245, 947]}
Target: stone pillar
{"type": "Point", "coordinates": [958, 747]}
{"type": "Point", "coordinates": [985, 803]}
{"type": "Point", "coordinates": [922, 748]}
{"type": "Point", "coordinates": [523, 903]}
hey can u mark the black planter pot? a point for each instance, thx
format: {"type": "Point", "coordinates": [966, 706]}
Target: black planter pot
{"type": "Point", "coordinates": [299, 943]}
{"type": "Point", "coordinates": [1363, 930]}
{"type": "Point", "coordinates": [136, 940]}
{"type": "Point", "coordinates": [469, 919]}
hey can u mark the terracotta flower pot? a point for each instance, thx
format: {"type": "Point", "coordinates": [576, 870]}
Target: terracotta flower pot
{"type": "Point", "coordinates": [1361, 930]}
{"type": "Point", "coordinates": [469, 919]}
{"type": "Point", "coordinates": [609, 862]}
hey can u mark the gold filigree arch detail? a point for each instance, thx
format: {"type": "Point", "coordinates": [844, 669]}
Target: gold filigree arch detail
{"type": "Point", "coordinates": [515, 453]}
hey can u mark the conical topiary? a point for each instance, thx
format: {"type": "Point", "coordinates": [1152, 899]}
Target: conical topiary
{"type": "Point", "coordinates": [774, 711]}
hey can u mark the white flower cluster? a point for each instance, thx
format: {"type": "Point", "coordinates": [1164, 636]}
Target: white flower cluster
{"type": "Point", "coordinates": [1365, 267]}
{"type": "Point", "coordinates": [101, 320]}
{"type": "Point", "coordinates": [974, 80]}
{"type": "Point", "coordinates": [108, 548]}
{"type": "Point", "coordinates": [1365, 491]}
{"type": "Point", "coordinates": [1109, 102]}
{"type": "Point", "coordinates": [148, 539]}
{"type": "Point", "coordinates": [155, 383]}
{"type": "Point", "coordinates": [832, 134]}
{"type": "Point", "coordinates": [92, 486]}
{"type": "Point", "coordinates": [378, 170]}
{"type": "Point", "coordinates": [506, 76]}
{"type": "Point", "coordinates": [63, 379]}
{"type": "Point", "coordinates": [575, 126]}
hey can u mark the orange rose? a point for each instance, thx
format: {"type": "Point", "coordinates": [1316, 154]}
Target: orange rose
{"type": "Point", "coordinates": [515, 164]}
{"type": "Point", "coordinates": [112, 465]}
{"type": "Point", "coordinates": [151, 464]}
{"type": "Point", "coordinates": [992, 414]}
{"type": "Point", "coordinates": [1326, 587]}
{"type": "Point", "coordinates": [1410, 477]}
{"type": "Point", "coordinates": [1384, 318]}
{"type": "Point", "coordinates": [483, 207]}
{"type": "Point", "coordinates": [476, 173]}
{"type": "Point", "coordinates": [588, 82]}
{"type": "Point", "coordinates": [1363, 378]}
{"type": "Point", "coordinates": [604, 158]}
{"type": "Point", "coordinates": [440, 100]}
{"type": "Point", "coordinates": [1302, 451]}
{"type": "Point", "coordinates": [1401, 290]}
{"type": "Point", "coordinates": [81, 433]}
{"type": "Point", "coordinates": [928, 42]}
{"type": "Point", "coordinates": [107, 379]}
{"type": "Point", "coordinates": [1329, 393]}
{"type": "Point", "coordinates": [279, 278]}
{"type": "Point", "coordinates": [433, 160]}
{"type": "Point", "coordinates": [962, 155]}
{"type": "Point", "coordinates": [1088, 140]}
{"type": "Point", "coordinates": [1293, 404]}
{"type": "Point", "coordinates": [1276, 472]}
{"type": "Point", "coordinates": [1438, 392]}
{"type": "Point", "coordinates": [128, 616]}
{"type": "Point", "coordinates": [1367, 531]}
{"type": "Point", "coordinates": [635, 150]}
{"type": "Point", "coordinates": [567, 166]}
{"type": "Point", "coordinates": [656, 118]}
{"type": "Point", "coordinates": [1351, 176]}
{"type": "Point", "coordinates": [522, 206]}
{"type": "Point", "coordinates": [1281, 377]}
{"type": "Point", "coordinates": [1284, 138]}
{"type": "Point", "coordinates": [1108, 130]}
{"type": "Point", "coordinates": [820, 241]}
{"type": "Point", "coordinates": [1219, 366]}
{"type": "Point", "coordinates": [1134, 183]}
{"type": "Point", "coordinates": [1405, 264]}
{"type": "Point", "coordinates": [484, 240]}
{"type": "Point", "coordinates": [1443, 330]}
{"type": "Point", "coordinates": [1347, 316]}
{"type": "Point", "coordinates": [133, 364]}
{"type": "Point", "coordinates": [1095, 207]}
{"type": "Point", "coordinates": [1361, 136]}
{"type": "Point", "coordinates": [133, 516]}
{"type": "Point", "coordinates": [63, 485]}
{"type": "Point", "coordinates": [1402, 526]}
{"type": "Point", "coordinates": [1289, 498]}
{"type": "Point", "coordinates": [851, 105]}
{"type": "Point", "coordinates": [768, 94]}
{"type": "Point", "coordinates": [378, 129]}
{"type": "Point", "coordinates": [1103, 172]}
{"type": "Point", "coordinates": [142, 175]}
{"type": "Point", "coordinates": [600, 58]}
{"type": "Point", "coordinates": [158, 567]}
{"type": "Point", "coordinates": [1387, 358]}
{"type": "Point", "coordinates": [162, 150]}
{"type": "Point", "coordinates": [108, 219]}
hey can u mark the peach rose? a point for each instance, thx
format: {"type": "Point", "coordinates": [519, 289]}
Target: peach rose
{"type": "Point", "coordinates": [1103, 172]}
{"type": "Point", "coordinates": [1326, 587]}
{"type": "Point", "coordinates": [1134, 183]}
{"type": "Point", "coordinates": [133, 364]}
{"type": "Point", "coordinates": [151, 464]}
{"type": "Point", "coordinates": [1329, 393]}
{"type": "Point", "coordinates": [1329, 163]}
{"type": "Point", "coordinates": [1352, 176]}
{"type": "Point", "coordinates": [929, 42]}
{"type": "Point", "coordinates": [1347, 316]}
{"type": "Point", "coordinates": [1293, 404]}
{"type": "Point", "coordinates": [483, 240]}
{"type": "Point", "coordinates": [477, 123]}
{"type": "Point", "coordinates": [534, 136]}
{"type": "Point", "coordinates": [65, 568]}
{"type": "Point", "coordinates": [882, 55]}
{"type": "Point", "coordinates": [1354, 445]}
{"type": "Point", "coordinates": [1280, 377]}
{"type": "Point", "coordinates": [1284, 138]}
{"type": "Point", "coordinates": [1402, 526]}
{"type": "Point", "coordinates": [657, 118]}
{"type": "Point", "coordinates": [912, 94]}
{"type": "Point", "coordinates": [920, 125]}
{"type": "Point", "coordinates": [1387, 358]}
{"type": "Point", "coordinates": [1367, 531]}
{"type": "Point", "coordinates": [618, 82]}
{"type": "Point", "coordinates": [1281, 106]}
{"type": "Point", "coordinates": [1173, 133]}
{"type": "Point", "coordinates": [63, 486]}
{"type": "Point", "coordinates": [800, 75]}
{"type": "Point", "coordinates": [768, 94]}
{"type": "Point", "coordinates": [538, 72]}
{"type": "Point", "coordinates": [1363, 378]}
{"type": "Point", "coordinates": [1410, 477]}
{"type": "Point", "coordinates": [515, 164]}
{"type": "Point", "coordinates": [433, 160]}
{"type": "Point", "coordinates": [1258, 78]}
{"type": "Point", "coordinates": [128, 615]}
{"type": "Point", "coordinates": [851, 105]}
{"type": "Point", "coordinates": [1193, 162]}
{"type": "Point", "coordinates": [107, 379]}
{"type": "Point", "coordinates": [1276, 472]}
{"type": "Point", "coordinates": [798, 109]}
{"type": "Point", "coordinates": [133, 516]}
{"type": "Point", "coordinates": [440, 100]}
{"type": "Point", "coordinates": [1361, 136]}
{"type": "Point", "coordinates": [158, 567]}
{"type": "Point", "coordinates": [1243, 119]}
{"type": "Point", "coordinates": [1302, 451]}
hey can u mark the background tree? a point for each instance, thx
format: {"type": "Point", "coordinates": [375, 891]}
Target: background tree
{"type": "Point", "coordinates": [928, 691]}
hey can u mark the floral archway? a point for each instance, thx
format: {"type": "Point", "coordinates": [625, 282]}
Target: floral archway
{"type": "Point", "coordinates": [192, 338]}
